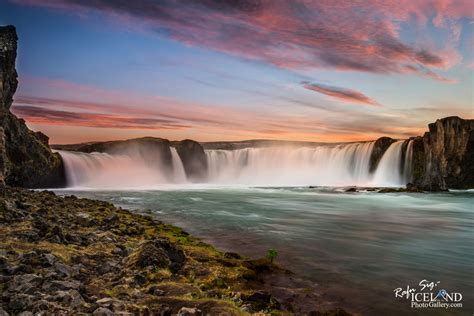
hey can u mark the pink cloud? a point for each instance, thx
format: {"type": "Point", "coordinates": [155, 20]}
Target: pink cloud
{"type": "Point", "coordinates": [341, 94]}
{"type": "Point", "coordinates": [348, 36]}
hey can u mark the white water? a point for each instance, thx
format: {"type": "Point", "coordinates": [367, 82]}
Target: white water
{"type": "Point", "coordinates": [179, 175]}
{"type": "Point", "coordinates": [388, 171]}
{"type": "Point", "coordinates": [280, 166]}
{"type": "Point", "coordinates": [101, 170]}
{"type": "Point", "coordinates": [339, 165]}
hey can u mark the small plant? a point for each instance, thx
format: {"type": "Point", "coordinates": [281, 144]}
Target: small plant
{"type": "Point", "coordinates": [272, 254]}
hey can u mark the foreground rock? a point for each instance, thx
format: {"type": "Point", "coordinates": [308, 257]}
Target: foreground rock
{"type": "Point", "coordinates": [64, 255]}
{"type": "Point", "coordinates": [25, 157]}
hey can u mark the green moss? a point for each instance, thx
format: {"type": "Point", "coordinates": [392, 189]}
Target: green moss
{"type": "Point", "coordinates": [158, 275]}
{"type": "Point", "coordinates": [219, 283]}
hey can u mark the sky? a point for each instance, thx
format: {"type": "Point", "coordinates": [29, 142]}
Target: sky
{"type": "Point", "coordinates": [213, 70]}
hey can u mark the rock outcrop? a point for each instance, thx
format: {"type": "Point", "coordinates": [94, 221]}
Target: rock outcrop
{"type": "Point", "coordinates": [444, 157]}
{"type": "Point", "coordinates": [25, 157]}
{"type": "Point", "coordinates": [193, 158]}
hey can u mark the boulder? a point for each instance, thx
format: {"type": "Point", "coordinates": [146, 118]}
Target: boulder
{"type": "Point", "coordinates": [232, 255]}
{"type": "Point", "coordinates": [413, 188]}
{"type": "Point", "coordinates": [25, 157]}
{"type": "Point", "coordinates": [158, 253]}
{"type": "Point", "coordinates": [194, 159]}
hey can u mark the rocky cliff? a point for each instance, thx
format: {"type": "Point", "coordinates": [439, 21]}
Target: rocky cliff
{"type": "Point", "coordinates": [444, 157]}
{"type": "Point", "coordinates": [25, 157]}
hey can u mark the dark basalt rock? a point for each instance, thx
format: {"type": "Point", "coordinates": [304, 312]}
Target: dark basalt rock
{"type": "Point", "coordinates": [232, 255]}
{"type": "Point", "coordinates": [444, 157]}
{"type": "Point", "coordinates": [260, 301]}
{"type": "Point", "coordinates": [351, 189]}
{"type": "Point", "coordinates": [413, 188]}
{"type": "Point", "coordinates": [193, 158]}
{"type": "Point", "coordinates": [8, 74]}
{"type": "Point", "coordinates": [25, 157]}
{"type": "Point", "coordinates": [157, 253]}
{"type": "Point", "coordinates": [380, 146]}
{"type": "Point", "coordinates": [391, 190]}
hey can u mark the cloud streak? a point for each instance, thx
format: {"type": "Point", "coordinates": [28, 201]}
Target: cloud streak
{"type": "Point", "coordinates": [38, 115]}
{"type": "Point", "coordinates": [348, 36]}
{"type": "Point", "coordinates": [341, 94]}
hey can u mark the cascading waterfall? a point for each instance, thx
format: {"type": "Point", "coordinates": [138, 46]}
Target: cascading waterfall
{"type": "Point", "coordinates": [325, 165]}
{"type": "Point", "coordinates": [179, 175]}
{"type": "Point", "coordinates": [389, 172]}
{"type": "Point", "coordinates": [279, 166]}
{"type": "Point", "coordinates": [102, 170]}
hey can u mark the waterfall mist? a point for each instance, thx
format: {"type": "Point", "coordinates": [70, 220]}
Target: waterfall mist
{"type": "Point", "coordinates": [324, 165]}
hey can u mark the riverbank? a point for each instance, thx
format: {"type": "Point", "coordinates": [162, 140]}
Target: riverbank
{"type": "Point", "coordinates": [70, 255]}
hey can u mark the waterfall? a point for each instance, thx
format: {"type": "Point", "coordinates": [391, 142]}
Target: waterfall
{"type": "Point", "coordinates": [102, 170]}
{"type": "Point", "coordinates": [179, 175]}
{"type": "Point", "coordinates": [388, 171]}
{"type": "Point", "coordinates": [323, 165]}
{"type": "Point", "coordinates": [345, 164]}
